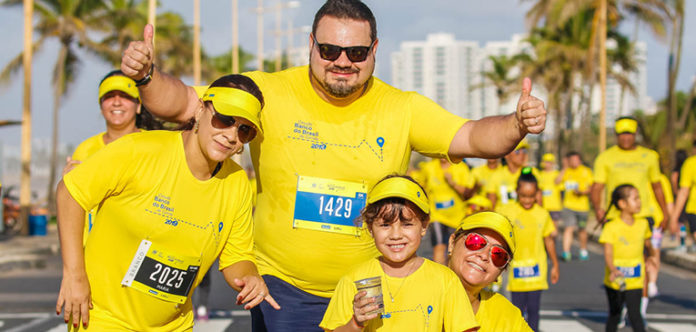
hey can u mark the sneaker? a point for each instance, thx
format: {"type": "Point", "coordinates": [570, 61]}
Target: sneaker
{"type": "Point", "coordinates": [584, 255]}
{"type": "Point", "coordinates": [202, 313]}
{"type": "Point", "coordinates": [566, 256]}
{"type": "Point", "coordinates": [652, 290]}
{"type": "Point", "coordinates": [624, 318]}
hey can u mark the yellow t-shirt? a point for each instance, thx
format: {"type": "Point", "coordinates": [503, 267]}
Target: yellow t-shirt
{"type": "Point", "coordinates": [503, 184]}
{"type": "Point", "coordinates": [528, 268]}
{"type": "Point", "coordinates": [497, 314]}
{"type": "Point", "coordinates": [83, 151]}
{"type": "Point", "coordinates": [579, 178]}
{"type": "Point", "coordinates": [639, 167]}
{"type": "Point", "coordinates": [688, 180]}
{"type": "Point", "coordinates": [310, 149]}
{"type": "Point", "coordinates": [628, 242]}
{"type": "Point", "coordinates": [446, 206]}
{"type": "Point", "coordinates": [669, 198]}
{"type": "Point", "coordinates": [145, 190]}
{"type": "Point", "coordinates": [481, 175]}
{"type": "Point", "coordinates": [430, 299]}
{"type": "Point", "coordinates": [551, 192]}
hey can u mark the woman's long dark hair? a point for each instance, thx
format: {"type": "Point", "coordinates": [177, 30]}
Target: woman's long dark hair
{"type": "Point", "coordinates": [143, 120]}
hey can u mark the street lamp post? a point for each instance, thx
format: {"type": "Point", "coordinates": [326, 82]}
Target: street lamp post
{"type": "Point", "coordinates": [25, 179]}
{"type": "Point", "coordinates": [278, 32]}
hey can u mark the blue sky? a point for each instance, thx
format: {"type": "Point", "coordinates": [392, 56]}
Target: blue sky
{"type": "Point", "coordinates": [397, 21]}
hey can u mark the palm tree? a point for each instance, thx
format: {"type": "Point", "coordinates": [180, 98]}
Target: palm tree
{"type": "Point", "coordinates": [676, 16]}
{"type": "Point", "coordinates": [68, 21]}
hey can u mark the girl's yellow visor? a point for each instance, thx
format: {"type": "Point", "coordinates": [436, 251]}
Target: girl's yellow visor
{"type": "Point", "coordinates": [402, 188]}
{"type": "Point", "coordinates": [235, 102]}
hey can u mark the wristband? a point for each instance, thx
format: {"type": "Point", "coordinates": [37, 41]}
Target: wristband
{"type": "Point", "coordinates": [355, 321]}
{"type": "Point", "coordinates": [147, 78]}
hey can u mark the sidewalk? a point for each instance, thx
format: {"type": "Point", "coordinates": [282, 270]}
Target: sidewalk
{"type": "Point", "coordinates": [26, 252]}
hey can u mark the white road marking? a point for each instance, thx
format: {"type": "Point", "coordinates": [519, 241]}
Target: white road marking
{"type": "Point", "coordinates": [212, 325]}
{"type": "Point", "coordinates": [566, 325]}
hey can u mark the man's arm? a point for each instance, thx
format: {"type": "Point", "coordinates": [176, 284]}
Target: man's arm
{"type": "Point", "coordinates": [660, 197]}
{"type": "Point", "coordinates": [165, 96]}
{"type": "Point", "coordinates": [682, 196]}
{"type": "Point", "coordinates": [596, 198]}
{"type": "Point", "coordinates": [495, 136]}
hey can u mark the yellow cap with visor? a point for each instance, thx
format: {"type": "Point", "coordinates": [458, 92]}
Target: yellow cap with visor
{"type": "Point", "coordinates": [522, 145]}
{"type": "Point", "coordinates": [548, 157]}
{"type": "Point", "coordinates": [118, 83]}
{"type": "Point", "coordinates": [626, 126]}
{"type": "Point", "coordinates": [235, 102]}
{"type": "Point", "coordinates": [400, 187]}
{"type": "Point", "coordinates": [493, 221]}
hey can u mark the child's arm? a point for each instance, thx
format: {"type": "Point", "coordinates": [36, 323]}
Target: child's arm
{"type": "Point", "coordinates": [609, 261]}
{"type": "Point", "coordinates": [362, 306]}
{"type": "Point", "coordinates": [551, 252]}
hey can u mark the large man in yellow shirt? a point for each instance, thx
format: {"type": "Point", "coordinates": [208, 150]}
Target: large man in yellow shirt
{"type": "Point", "coordinates": [331, 131]}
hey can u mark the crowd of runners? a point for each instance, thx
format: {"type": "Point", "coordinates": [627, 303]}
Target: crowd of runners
{"type": "Point", "coordinates": [334, 213]}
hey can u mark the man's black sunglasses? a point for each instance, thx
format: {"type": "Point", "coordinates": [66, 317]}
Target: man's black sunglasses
{"type": "Point", "coordinates": [332, 52]}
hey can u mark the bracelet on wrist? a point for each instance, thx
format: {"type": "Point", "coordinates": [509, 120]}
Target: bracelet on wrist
{"type": "Point", "coordinates": [148, 77]}
{"type": "Point", "coordinates": [355, 321]}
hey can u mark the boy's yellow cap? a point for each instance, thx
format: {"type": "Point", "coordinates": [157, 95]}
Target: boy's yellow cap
{"type": "Point", "coordinates": [235, 102]}
{"type": "Point", "coordinates": [400, 187]}
{"type": "Point", "coordinates": [548, 157]}
{"type": "Point", "coordinates": [493, 221]}
{"type": "Point", "coordinates": [119, 83]}
{"type": "Point", "coordinates": [626, 125]}
{"type": "Point", "coordinates": [522, 145]}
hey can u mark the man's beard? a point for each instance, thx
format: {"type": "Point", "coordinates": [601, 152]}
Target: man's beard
{"type": "Point", "coordinates": [341, 88]}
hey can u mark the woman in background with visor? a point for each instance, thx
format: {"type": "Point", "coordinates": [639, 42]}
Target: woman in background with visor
{"type": "Point", "coordinates": [171, 202]}
{"type": "Point", "coordinates": [480, 250]}
{"type": "Point", "coordinates": [119, 101]}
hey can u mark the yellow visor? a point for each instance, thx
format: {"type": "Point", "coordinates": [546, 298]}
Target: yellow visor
{"type": "Point", "coordinates": [480, 201]}
{"type": "Point", "coordinates": [493, 221]}
{"type": "Point", "coordinates": [402, 188]}
{"type": "Point", "coordinates": [119, 83]}
{"type": "Point", "coordinates": [626, 126]}
{"type": "Point", "coordinates": [235, 102]}
{"type": "Point", "coordinates": [522, 145]}
{"type": "Point", "coordinates": [548, 157]}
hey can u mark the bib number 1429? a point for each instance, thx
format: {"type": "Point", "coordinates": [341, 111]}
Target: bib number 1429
{"type": "Point", "coordinates": [335, 206]}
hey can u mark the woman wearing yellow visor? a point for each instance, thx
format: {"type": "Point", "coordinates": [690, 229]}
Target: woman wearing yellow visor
{"type": "Point", "coordinates": [171, 202]}
{"type": "Point", "coordinates": [480, 251]}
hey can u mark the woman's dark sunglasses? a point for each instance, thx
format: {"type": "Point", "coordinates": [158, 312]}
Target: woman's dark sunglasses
{"type": "Point", "coordinates": [498, 255]}
{"type": "Point", "coordinates": [245, 132]}
{"type": "Point", "coordinates": [332, 52]}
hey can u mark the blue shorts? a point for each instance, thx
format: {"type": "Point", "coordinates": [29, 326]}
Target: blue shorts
{"type": "Point", "coordinates": [300, 311]}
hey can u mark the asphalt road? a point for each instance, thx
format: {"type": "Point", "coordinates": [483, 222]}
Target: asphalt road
{"type": "Point", "coordinates": [576, 304]}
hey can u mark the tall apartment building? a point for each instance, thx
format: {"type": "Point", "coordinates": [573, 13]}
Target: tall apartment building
{"type": "Point", "coordinates": [448, 71]}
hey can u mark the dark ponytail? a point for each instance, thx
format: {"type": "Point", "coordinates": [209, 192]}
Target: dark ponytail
{"type": "Point", "coordinates": [620, 193]}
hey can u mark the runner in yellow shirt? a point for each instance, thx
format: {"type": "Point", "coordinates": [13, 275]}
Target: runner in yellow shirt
{"type": "Point", "coordinates": [550, 189]}
{"type": "Point", "coordinates": [630, 163]}
{"type": "Point", "coordinates": [480, 251]}
{"type": "Point", "coordinates": [416, 294]}
{"type": "Point", "coordinates": [332, 130]}
{"type": "Point", "coordinates": [533, 230]}
{"type": "Point", "coordinates": [484, 172]}
{"type": "Point", "coordinates": [120, 106]}
{"type": "Point", "coordinates": [625, 238]}
{"type": "Point", "coordinates": [500, 189]}
{"type": "Point", "coordinates": [154, 241]}
{"type": "Point", "coordinates": [448, 186]}
{"type": "Point", "coordinates": [576, 180]}
{"type": "Point", "coordinates": [686, 196]}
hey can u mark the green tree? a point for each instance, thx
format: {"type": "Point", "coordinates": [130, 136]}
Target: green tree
{"type": "Point", "coordinates": [70, 23]}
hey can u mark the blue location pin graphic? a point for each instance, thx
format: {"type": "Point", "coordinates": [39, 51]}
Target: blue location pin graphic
{"type": "Point", "coordinates": [380, 141]}
{"type": "Point", "coordinates": [430, 309]}
{"type": "Point", "coordinates": [220, 227]}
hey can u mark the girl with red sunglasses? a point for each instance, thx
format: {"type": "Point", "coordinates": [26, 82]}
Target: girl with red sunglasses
{"type": "Point", "coordinates": [480, 250]}
{"type": "Point", "coordinates": [534, 230]}
{"type": "Point", "coordinates": [416, 294]}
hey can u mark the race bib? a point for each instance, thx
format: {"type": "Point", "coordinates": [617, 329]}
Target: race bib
{"type": "Point", "coordinates": [630, 271]}
{"type": "Point", "coordinates": [547, 193]}
{"type": "Point", "coordinates": [164, 275]}
{"type": "Point", "coordinates": [329, 205]}
{"type": "Point", "coordinates": [571, 185]}
{"type": "Point", "coordinates": [526, 271]}
{"type": "Point", "coordinates": [444, 205]}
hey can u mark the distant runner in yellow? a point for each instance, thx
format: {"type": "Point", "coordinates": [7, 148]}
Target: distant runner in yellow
{"type": "Point", "coordinates": [502, 185]}
{"type": "Point", "coordinates": [171, 203]}
{"type": "Point", "coordinates": [550, 188]}
{"type": "Point", "coordinates": [332, 130]}
{"type": "Point", "coordinates": [448, 186]}
{"type": "Point", "coordinates": [576, 180]}
{"type": "Point", "coordinates": [483, 173]}
{"type": "Point", "coordinates": [480, 251]}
